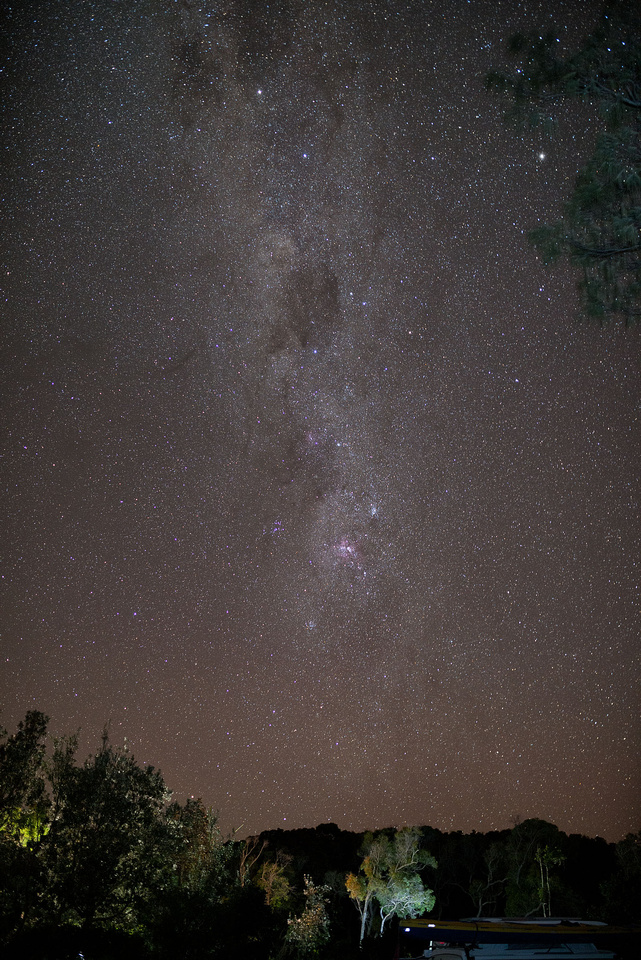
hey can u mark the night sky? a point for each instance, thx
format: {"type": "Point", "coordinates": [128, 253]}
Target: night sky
{"type": "Point", "coordinates": [314, 485]}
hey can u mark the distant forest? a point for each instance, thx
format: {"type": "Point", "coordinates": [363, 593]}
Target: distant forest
{"type": "Point", "coordinates": [96, 861]}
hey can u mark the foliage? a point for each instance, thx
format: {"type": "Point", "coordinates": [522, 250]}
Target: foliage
{"type": "Point", "coordinates": [389, 874]}
{"type": "Point", "coordinates": [24, 809]}
{"type": "Point", "coordinates": [249, 853]}
{"type": "Point", "coordinates": [274, 882]}
{"type": "Point", "coordinates": [94, 859]}
{"type": "Point", "coordinates": [96, 847]}
{"type": "Point", "coordinates": [404, 896]}
{"type": "Point", "coordinates": [307, 933]}
{"type": "Point", "coordinates": [23, 793]}
{"type": "Point", "coordinates": [485, 889]}
{"type": "Point", "coordinates": [546, 857]}
{"type": "Point", "coordinates": [202, 856]}
{"type": "Point", "coordinates": [102, 852]}
{"type": "Point", "coordinates": [533, 847]}
{"type": "Point", "coordinates": [623, 889]}
{"type": "Point", "coordinates": [197, 879]}
{"type": "Point", "coordinates": [600, 230]}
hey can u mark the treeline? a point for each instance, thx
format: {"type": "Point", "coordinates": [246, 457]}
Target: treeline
{"type": "Point", "coordinates": [96, 860]}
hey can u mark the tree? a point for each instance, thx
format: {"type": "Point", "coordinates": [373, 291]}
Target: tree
{"type": "Point", "coordinates": [622, 891]}
{"type": "Point", "coordinates": [307, 933]}
{"type": "Point", "coordinates": [485, 890]}
{"type": "Point", "coordinates": [389, 874]}
{"type": "Point", "coordinates": [103, 850]}
{"type": "Point", "coordinates": [202, 857]}
{"type": "Point", "coordinates": [600, 230]}
{"type": "Point", "coordinates": [547, 857]}
{"type": "Point", "coordinates": [250, 853]}
{"type": "Point", "coordinates": [362, 887]}
{"type": "Point", "coordinates": [23, 790]}
{"type": "Point", "coordinates": [24, 811]}
{"type": "Point", "coordinates": [186, 916]}
{"type": "Point", "coordinates": [404, 896]}
{"type": "Point", "coordinates": [273, 881]}
{"type": "Point", "coordinates": [93, 850]}
{"type": "Point", "coordinates": [532, 848]}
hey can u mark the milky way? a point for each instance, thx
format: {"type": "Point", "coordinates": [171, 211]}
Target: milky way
{"type": "Point", "coordinates": [317, 490]}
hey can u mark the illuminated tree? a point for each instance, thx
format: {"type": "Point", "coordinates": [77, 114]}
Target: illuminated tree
{"type": "Point", "coordinates": [24, 819]}
{"type": "Point", "coordinates": [362, 887]}
{"type": "Point", "coordinates": [250, 853]}
{"type": "Point", "coordinates": [307, 933]}
{"type": "Point", "coordinates": [404, 896]}
{"type": "Point", "coordinates": [547, 857]}
{"type": "Point", "coordinates": [23, 790]}
{"type": "Point", "coordinates": [272, 880]}
{"type": "Point", "coordinates": [389, 875]}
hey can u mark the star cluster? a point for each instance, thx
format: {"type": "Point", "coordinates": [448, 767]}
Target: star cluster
{"type": "Point", "coordinates": [315, 488]}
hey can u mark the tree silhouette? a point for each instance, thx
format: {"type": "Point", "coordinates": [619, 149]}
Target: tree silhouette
{"type": "Point", "coordinates": [600, 230]}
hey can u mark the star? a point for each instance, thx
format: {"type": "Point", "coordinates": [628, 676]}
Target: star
{"type": "Point", "coordinates": [318, 496]}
